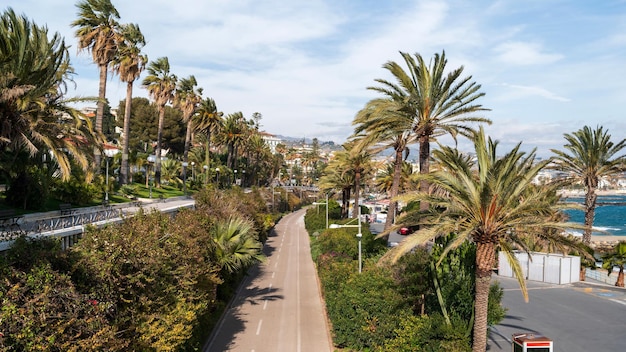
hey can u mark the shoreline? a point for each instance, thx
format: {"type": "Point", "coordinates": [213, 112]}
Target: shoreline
{"type": "Point", "coordinates": [581, 193]}
{"type": "Point", "coordinates": [598, 240]}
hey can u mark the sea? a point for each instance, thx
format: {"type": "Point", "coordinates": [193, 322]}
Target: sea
{"type": "Point", "coordinates": [610, 214]}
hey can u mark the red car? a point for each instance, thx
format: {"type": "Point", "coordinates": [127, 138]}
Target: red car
{"type": "Point", "coordinates": [405, 231]}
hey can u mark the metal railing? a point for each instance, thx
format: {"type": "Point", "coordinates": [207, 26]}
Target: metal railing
{"type": "Point", "coordinates": [70, 227]}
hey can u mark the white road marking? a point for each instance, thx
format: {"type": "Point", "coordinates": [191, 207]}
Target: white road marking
{"type": "Point", "coordinates": [265, 305]}
{"type": "Point", "coordinates": [258, 328]}
{"type": "Point", "coordinates": [618, 301]}
{"type": "Point", "coordinates": [273, 274]}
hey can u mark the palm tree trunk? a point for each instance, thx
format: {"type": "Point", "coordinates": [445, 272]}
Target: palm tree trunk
{"type": "Point", "coordinates": [395, 188]}
{"type": "Point", "coordinates": [125, 169]}
{"type": "Point", "coordinates": [157, 152]}
{"type": "Point", "coordinates": [102, 88]}
{"type": "Point", "coordinates": [590, 213]}
{"type": "Point", "coordinates": [424, 142]}
{"type": "Point", "coordinates": [620, 277]}
{"type": "Point", "coordinates": [485, 259]}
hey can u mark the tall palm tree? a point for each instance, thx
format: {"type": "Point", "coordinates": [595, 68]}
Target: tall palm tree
{"type": "Point", "coordinates": [209, 120]}
{"type": "Point", "coordinates": [34, 116]}
{"type": "Point", "coordinates": [232, 135]}
{"type": "Point", "coordinates": [617, 258]}
{"type": "Point", "coordinates": [589, 156]}
{"type": "Point", "coordinates": [160, 84]}
{"type": "Point", "coordinates": [357, 161]}
{"type": "Point", "coordinates": [98, 32]}
{"type": "Point", "coordinates": [340, 175]}
{"type": "Point", "coordinates": [187, 98]}
{"type": "Point", "coordinates": [375, 126]}
{"type": "Point", "coordinates": [490, 204]}
{"type": "Point", "coordinates": [427, 104]}
{"type": "Point", "coordinates": [128, 64]}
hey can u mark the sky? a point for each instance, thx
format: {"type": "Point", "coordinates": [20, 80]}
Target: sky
{"type": "Point", "coordinates": [547, 67]}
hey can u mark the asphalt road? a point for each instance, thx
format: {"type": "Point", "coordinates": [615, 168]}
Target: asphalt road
{"type": "Point", "coordinates": [578, 317]}
{"type": "Point", "coordinates": [278, 308]}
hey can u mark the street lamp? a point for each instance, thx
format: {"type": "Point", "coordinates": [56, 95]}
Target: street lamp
{"type": "Point", "coordinates": [193, 171]}
{"type": "Point", "coordinates": [151, 160]}
{"type": "Point", "coordinates": [109, 153]}
{"type": "Point", "coordinates": [206, 174]}
{"type": "Point", "coordinates": [234, 177]}
{"type": "Point", "coordinates": [217, 177]}
{"type": "Point", "coordinates": [359, 235]}
{"type": "Point", "coordinates": [185, 164]}
{"type": "Point", "coordinates": [326, 204]}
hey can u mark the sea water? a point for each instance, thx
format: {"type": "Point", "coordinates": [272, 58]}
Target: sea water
{"type": "Point", "coordinates": [610, 214]}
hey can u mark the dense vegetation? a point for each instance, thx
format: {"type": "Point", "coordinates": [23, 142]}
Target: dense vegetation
{"type": "Point", "coordinates": [420, 306]}
{"type": "Point", "coordinates": [154, 282]}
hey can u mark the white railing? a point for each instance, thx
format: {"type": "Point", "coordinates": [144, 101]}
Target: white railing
{"type": "Point", "coordinates": [70, 227]}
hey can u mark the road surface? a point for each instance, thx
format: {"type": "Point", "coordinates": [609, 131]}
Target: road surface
{"type": "Point", "coordinates": [278, 307]}
{"type": "Point", "coordinates": [577, 317]}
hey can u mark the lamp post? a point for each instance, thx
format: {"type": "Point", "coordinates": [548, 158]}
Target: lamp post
{"type": "Point", "coordinates": [185, 177]}
{"type": "Point", "coordinates": [243, 178]}
{"type": "Point", "coordinates": [325, 204]}
{"type": "Point", "coordinates": [193, 171]}
{"type": "Point", "coordinates": [234, 177]}
{"type": "Point", "coordinates": [206, 174]}
{"type": "Point", "coordinates": [151, 160]}
{"type": "Point", "coordinates": [359, 236]}
{"type": "Point", "coordinates": [108, 152]}
{"type": "Point", "coordinates": [217, 177]}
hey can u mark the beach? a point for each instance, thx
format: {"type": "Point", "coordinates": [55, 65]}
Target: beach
{"type": "Point", "coordinates": [598, 240]}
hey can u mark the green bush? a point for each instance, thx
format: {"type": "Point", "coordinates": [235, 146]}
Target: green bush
{"type": "Point", "coordinates": [429, 333]}
{"type": "Point", "coordinates": [76, 192]}
{"type": "Point", "coordinates": [364, 308]}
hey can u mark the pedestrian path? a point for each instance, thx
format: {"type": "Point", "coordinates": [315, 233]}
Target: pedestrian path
{"type": "Point", "coordinates": [278, 308]}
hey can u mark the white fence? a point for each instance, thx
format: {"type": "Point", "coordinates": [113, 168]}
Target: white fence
{"type": "Point", "coordinates": [551, 268]}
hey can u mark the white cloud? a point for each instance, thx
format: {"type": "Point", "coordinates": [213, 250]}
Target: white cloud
{"type": "Point", "coordinates": [305, 65]}
{"type": "Point", "coordinates": [519, 92]}
{"type": "Point", "coordinates": [521, 53]}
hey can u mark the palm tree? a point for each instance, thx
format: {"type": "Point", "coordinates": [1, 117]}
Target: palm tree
{"type": "Point", "coordinates": [590, 155]}
{"type": "Point", "coordinates": [426, 104]}
{"type": "Point", "coordinates": [339, 175]}
{"type": "Point", "coordinates": [35, 118]}
{"type": "Point", "coordinates": [232, 135]}
{"type": "Point", "coordinates": [187, 98]}
{"type": "Point", "coordinates": [128, 64]}
{"type": "Point", "coordinates": [373, 126]}
{"type": "Point", "coordinates": [236, 245]}
{"type": "Point", "coordinates": [210, 120]}
{"type": "Point", "coordinates": [98, 32]}
{"type": "Point", "coordinates": [160, 84]}
{"type": "Point", "coordinates": [616, 259]}
{"type": "Point", "coordinates": [490, 204]}
{"type": "Point", "coordinates": [357, 160]}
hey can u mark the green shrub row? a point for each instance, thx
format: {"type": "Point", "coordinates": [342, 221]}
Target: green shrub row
{"type": "Point", "coordinates": [396, 307]}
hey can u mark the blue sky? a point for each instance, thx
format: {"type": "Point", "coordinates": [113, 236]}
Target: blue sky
{"type": "Point", "coordinates": [547, 67]}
